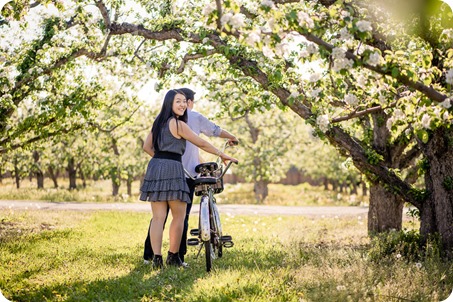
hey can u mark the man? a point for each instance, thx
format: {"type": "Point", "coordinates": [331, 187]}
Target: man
{"type": "Point", "coordinates": [199, 124]}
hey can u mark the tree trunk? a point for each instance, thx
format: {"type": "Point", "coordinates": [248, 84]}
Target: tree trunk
{"type": "Point", "coordinates": [436, 212]}
{"type": "Point", "coordinates": [53, 175]}
{"type": "Point", "coordinates": [385, 212]}
{"type": "Point", "coordinates": [129, 185]}
{"type": "Point", "coordinates": [82, 175]}
{"type": "Point", "coordinates": [261, 190]}
{"type": "Point", "coordinates": [38, 172]}
{"type": "Point", "coordinates": [72, 173]}
{"type": "Point", "coordinates": [326, 184]}
{"type": "Point", "coordinates": [115, 171]}
{"type": "Point", "coordinates": [364, 189]}
{"type": "Point", "coordinates": [16, 173]}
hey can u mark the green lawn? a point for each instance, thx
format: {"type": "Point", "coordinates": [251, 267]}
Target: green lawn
{"type": "Point", "coordinates": [96, 256]}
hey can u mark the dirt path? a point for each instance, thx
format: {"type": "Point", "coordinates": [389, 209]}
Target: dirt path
{"type": "Point", "coordinates": [231, 209]}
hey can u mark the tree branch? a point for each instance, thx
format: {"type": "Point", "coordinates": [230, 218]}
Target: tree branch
{"type": "Point", "coordinates": [196, 56]}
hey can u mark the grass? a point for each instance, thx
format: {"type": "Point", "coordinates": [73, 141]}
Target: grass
{"type": "Point", "coordinates": [96, 256]}
{"type": "Point", "coordinates": [241, 193]}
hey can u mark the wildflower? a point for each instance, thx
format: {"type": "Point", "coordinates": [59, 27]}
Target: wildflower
{"type": "Point", "coordinates": [364, 26]}
{"type": "Point", "coordinates": [341, 287]}
{"type": "Point", "coordinates": [398, 256]}
{"type": "Point", "coordinates": [418, 265]}
{"type": "Point", "coordinates": [323, 122]}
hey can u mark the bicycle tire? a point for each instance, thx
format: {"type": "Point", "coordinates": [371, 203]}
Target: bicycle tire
{"type": "Point", "coordinates": [217, 228]}
{"type": "Point", "coordinates": [207, 251]}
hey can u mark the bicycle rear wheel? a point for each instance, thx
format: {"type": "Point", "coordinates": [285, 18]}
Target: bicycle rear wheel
{"type": "Point", "coordinates": [208, 251]}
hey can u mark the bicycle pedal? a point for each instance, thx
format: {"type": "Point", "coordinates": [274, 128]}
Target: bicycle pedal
{"type": "Point", "coordinates": [226, 238]}
{"type": "Point", "coordinates": [193, 241]}
{"type": "Point", "coordinates": [194, 232]}
{"type": "Point", "coordinates": [228, 244]}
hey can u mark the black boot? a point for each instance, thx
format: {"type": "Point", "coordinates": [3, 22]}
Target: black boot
{"type": "Point", "coordinates": [174, 260]}
{"type": "Point", "coordinates": [158, 263]}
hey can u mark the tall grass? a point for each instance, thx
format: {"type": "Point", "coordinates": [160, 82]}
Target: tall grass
{"type": "Point", "coordinates": [96, 256]}
{"type": "Point", "coordinates": [241, 193]}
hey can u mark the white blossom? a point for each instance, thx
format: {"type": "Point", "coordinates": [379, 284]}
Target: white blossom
{"type": "Point", "coordinates": [374, 59]}
{"type": "Point", "coordinates": [315, 77]}
{"type": "Point", "coordinates": [446, 103]}
{"type": "Point", "coordinates": [342, 64]}
{"type": "Point", "coordinates": [312, 48]}
{"type": "Point", "coordinates": [268, 52]}
{"type": "Point", "coordinates": [361, 81]}
{"type": "Point", "coordinates": [426, 121]}
{"type": "Point", "coordinates": [238, 21]}
{"type": "Point", "coordinates": [344, 34]}
{"type": "Point", "coordinates": [399, 114]}
{"type": "Point", "coordinates": [282, 49]}
{"type": "Point", "coordinates": [338, 53]}
{"type": "Point", "coordinates": [445, 116]}
{"type": "Point", "coordinates": [351, 100]}
{"type": "Point", "coordinates": [208, 9]}
{"type": "Point", "coordinates": [314, 93]}
{"type": "Point", "coordinates": [364, 26]}
{"type": "Point", "coordinates": [449, 77]}
{"type": "Point", "coordinates": [226, 18]}
{"type": "Point", "coordinates": [253, 38]}
{"type": "Point", "coordinates": [323, 122]}
{"type": "Point", "coordinates": [268, 3]}
{"type": "Point", "coordinates": [294, 94]}
{"type": "Point", "coordinates": [389, 123]}
{"type": "Point", "coordinates": [304, 53]}
{"type": "Point", "coordinates": [418, 265]}
{"type": "Point", "coordinates": [305, 20]}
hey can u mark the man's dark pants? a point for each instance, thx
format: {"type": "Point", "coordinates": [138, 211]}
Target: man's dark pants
{"type": "Point", "coordinates": [148, 251]}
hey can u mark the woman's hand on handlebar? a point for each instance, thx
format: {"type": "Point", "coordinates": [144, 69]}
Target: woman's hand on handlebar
{"type": "Point", "coordinates": [226, 158]}
{"type": "Point", "coordinates": [233, 142]}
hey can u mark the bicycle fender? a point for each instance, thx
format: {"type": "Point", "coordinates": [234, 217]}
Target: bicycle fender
{"type": "Point", "coordinates": [205, 229]}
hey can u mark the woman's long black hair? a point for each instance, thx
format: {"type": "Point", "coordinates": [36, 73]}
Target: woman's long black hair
{"type": "Point", "coordinates": [165, 114]}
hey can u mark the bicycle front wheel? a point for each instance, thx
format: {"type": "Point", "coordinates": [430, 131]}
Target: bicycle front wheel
{"type": "Point", "coordinates": [217, 230]}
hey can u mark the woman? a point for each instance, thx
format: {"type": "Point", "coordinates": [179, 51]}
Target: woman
{"type": "Point", "coordinates": [165, 183]}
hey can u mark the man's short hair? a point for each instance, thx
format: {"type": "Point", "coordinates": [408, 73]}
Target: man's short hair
{"type": "Point", "coordinates": [189, 93]}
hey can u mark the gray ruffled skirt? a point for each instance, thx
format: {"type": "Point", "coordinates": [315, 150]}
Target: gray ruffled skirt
{"type": "Point", "coordinates": [164, 180]}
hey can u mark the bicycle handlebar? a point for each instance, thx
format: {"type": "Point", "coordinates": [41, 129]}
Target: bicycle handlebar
{"type": "Point", "coordinates": [235, 143]}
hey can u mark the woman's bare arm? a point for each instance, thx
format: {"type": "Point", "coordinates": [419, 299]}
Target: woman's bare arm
{"type": "Point", "coordinates": [148, 144]}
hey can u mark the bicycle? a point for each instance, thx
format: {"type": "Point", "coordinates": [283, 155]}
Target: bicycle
{"type": "Point", "coordinates": [209, 181]}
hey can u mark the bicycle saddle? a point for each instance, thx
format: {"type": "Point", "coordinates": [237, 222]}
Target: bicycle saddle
{"type": "Point", "coordinates": [209, 166]}
{"type": "Point", "coordinates": [205, 180]}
